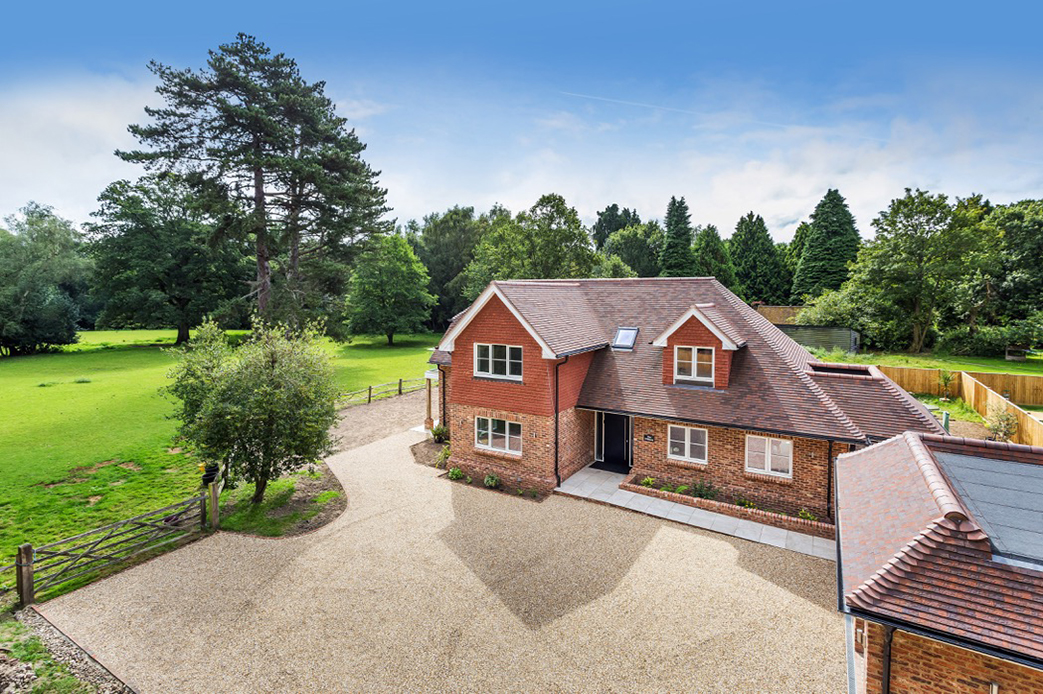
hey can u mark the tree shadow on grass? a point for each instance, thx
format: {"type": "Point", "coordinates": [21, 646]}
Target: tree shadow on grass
{"type": "Point", "coordinates": [543, 560]}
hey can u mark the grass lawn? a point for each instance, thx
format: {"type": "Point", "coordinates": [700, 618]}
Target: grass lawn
{"type": "Point", "coordinates": [1032, 367]}
{"type": "Point", "coordinates": [84, 433]}
{"type": "Point", "coordinates": [956, 408]}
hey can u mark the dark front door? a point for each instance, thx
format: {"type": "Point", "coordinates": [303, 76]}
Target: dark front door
{"type": "Point", "coordinates": [615, 429]}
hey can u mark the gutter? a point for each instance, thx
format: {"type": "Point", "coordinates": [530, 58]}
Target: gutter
{"type": "Point", "coordinates": [557, 379]}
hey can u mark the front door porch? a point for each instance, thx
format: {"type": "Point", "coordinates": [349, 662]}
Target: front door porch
{"type": "Point", "coordinates": [613, 442]}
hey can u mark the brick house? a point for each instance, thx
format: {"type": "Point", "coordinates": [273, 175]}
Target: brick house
{"type": "Point", "coordinates": [673, 378]}
{"type": "Point", "coordinates": [940, 566]}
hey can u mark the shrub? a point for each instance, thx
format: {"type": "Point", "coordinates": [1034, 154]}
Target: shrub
{"type": "Point", "coordinates": [534, 493]}
{"type": "Point", "coordinates": [648, 482]}
{"type": "Point", "coordinates": [440, 434]}
{"type": "Point", "coordinates": [704, 490]}
{"type": "Point", "coordinates": [745, 503]}
{"type": "Point", "coordinates": [945, 380]}
{"type": "Point", "coordinates": [467, 479]}
{"type": "Point", "coordinates": [807, 515]}
{"type": "Point", "coordinates": [455, 473]}
{"type": "Point", "coordinates": [1001, 423]}
{"type": "Point", "coordinates": [491, 481]}
{"type": "Point", "coordinates": [682, 489]}
{"type": "Point", "coordinates": [666, 488]}
{"type": "Point", "coordinates": [443, 457]}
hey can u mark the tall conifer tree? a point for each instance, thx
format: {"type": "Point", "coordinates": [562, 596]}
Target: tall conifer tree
{"type": "Point", "coordinates": [758, 266]}
{"type": "Point", "coordinates": [711, 258]}
{"type": "Point", "coordinates": [676, 257]}
{"type": "Point", "coordinates": [831, 244]}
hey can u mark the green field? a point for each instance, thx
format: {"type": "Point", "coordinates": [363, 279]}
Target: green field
{"type": "Point", "coordinates": [1033, 367]}
{"type": "Point", "coordinates": [84, 433]}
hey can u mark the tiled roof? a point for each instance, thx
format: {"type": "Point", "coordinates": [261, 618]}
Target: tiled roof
{"type": "Point", "coordinates": [873, 401]}
{"type": "Point", "coordinates": [770, 386]}
{"type": "Point", "coordinates": [910, 551]}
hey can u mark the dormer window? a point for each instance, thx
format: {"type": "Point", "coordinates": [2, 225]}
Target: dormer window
{"type": "Point", "coordinates": [625, 338]}
{"type": "Point", "coordinates": [693, 365]}
{"type": "Point", "coordinates": [498, 361]}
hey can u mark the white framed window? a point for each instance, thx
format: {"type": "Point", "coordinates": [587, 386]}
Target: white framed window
{"type": "Point", "coordinates": [769, 456]}
{"type": "Point", "coordinates": [687, 444]}
{"type": "Point", "coordinates": [498, 361]}
{"type": "Point", "coordinates": [693, 365]}
{"type": "Point", "coordinates": [497, 434]}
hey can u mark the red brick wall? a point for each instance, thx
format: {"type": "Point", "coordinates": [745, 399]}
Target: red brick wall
{"type": "Point", "coordinates": [926, 666]}
{"type": "Point", "coordinates": [726, 468]}
{"type": "Point", "coordinates": [534, 468]}
{"type": "Point", "coordinates": [495, 324]}
{"type": "Point", "coordinates": [571, 375]}
{"type": "Point", "coordinates": [694, 334]}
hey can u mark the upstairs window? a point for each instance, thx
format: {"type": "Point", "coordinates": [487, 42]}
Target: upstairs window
{"type": "Point", "coordinates": [693, 365]}
{"type": "Point", "coordinates": [625, 338]}
{"type": "Point", "coordinates": [498, 361]}
{"type": "Point", "coordinates": [769, 456]}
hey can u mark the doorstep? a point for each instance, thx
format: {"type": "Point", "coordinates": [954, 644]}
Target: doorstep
{"type": "Point", "coordinates": [603, 486]}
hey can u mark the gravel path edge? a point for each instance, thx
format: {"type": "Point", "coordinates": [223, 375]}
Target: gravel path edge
{"type": "Point", "coordinates": [80, 662]}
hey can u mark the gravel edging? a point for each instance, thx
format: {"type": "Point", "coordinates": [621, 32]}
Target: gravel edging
{"type": "Point", "coordinates": [66, 651]}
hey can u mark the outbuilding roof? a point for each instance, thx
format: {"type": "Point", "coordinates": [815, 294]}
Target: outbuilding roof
{"type": "Point", "coordinates": [944, 534]}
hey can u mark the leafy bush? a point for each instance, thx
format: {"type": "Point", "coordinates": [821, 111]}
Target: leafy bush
{"type": "Point", "coordinates": [443, 457]}
{"type": "Point", "coordinates": [440, 433]}
{"type": "Point", "coordinates": [467, 479]}
{"type": "Point", "coordinates": [992, 340]}
{"type": "Point", "coordinates": [682, 489]}
{"type": "Point", "coordinates": [745, 503]}
{"type": "Point", "coordinates": [807, 515]}
{"type": "Point", "coordinates": [648, 482]}
{"type": "Point", "coordinates": [491, 481]}
{"type": "Point", "coordinates": [704, 490]}
{"type": "Point", "coordinates": [666, 488]}
{"type": "Point", "coordinates": [1001, 423]}
{"type": "Point", "coordinates": [455, 473]}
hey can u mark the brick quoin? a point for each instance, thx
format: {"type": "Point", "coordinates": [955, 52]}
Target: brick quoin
{"type": "Point", "coordinates": [694, 334]}
{"type": "Point", "coordinates": [924, 666]}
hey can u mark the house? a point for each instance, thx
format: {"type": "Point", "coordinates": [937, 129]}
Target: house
{"type": "Point", "coordinates": [672, 378]}
{"type": "Point", "coordinates": [940, 565]}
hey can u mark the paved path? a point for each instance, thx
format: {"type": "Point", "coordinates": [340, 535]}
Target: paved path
{"type": "Point", "coordinates": [424, 585]}
{"type": "Point", "coordinates": [602, 485]}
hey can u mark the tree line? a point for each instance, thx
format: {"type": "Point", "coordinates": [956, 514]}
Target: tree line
{"type": "Point", "coordinates": [256, 202]}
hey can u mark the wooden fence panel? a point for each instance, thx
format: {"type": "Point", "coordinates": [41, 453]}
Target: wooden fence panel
{"type": "Point", "coordinates": [916, 380]}
{"type": "Point", "coordinates": [1020, 388]}
{"type": "Point", "coordinates": [982, 398]}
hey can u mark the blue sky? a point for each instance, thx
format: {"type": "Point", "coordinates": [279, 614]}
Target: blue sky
{"type": "Point", "coordinates": [738, 107]}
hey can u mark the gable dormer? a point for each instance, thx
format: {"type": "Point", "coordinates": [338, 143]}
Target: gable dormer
{"type": "Point", "coordinates": [698, 348]}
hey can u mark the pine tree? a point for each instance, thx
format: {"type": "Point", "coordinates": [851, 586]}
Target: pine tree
{"type": "Point", "coordinates": [712, 258]}
{"type": "Point", "coordinates": [611, 220]}
{"type": "Point", "coordinates": [831, 244]}
{"type": "Point", "coordinates": [676, 257]}
{"type": "Point", "coordinates": [796, 246]}
{"type": "Point", "coordinates": [758, 266]}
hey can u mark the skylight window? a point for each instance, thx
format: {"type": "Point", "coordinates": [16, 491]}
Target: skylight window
{"type": "Point", "coordinates": [625, 338]}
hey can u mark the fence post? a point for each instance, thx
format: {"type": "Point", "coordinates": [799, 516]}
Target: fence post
{"type": "Point", "coordinates": [400, 386]}
{"type": "Point", "coordinates": [215, 513]}
{"type": "Point", "coordinates": [26, 591]}
{"type": "Point", "coordinates": [202, 512]}
{"type": "Point", "coordinates": [369, 397]}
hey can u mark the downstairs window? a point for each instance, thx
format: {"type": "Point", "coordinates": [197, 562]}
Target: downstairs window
{"type": "Point", "coordinates": [497, 434]}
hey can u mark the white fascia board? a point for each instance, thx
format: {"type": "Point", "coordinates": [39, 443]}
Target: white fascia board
{"type": "Point", "coordinates": [694, 312]}
{"type": "Point", "coordinates": [449, 339]}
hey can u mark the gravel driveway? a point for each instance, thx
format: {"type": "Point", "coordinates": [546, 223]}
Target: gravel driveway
{"type": "Point", "coordinates": [424, 584]}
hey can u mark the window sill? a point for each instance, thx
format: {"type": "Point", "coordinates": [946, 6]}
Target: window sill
{"type": "Point", "coordinates": [687, 462]}
{"type": "Point", "coordinates": [498, 379]}
{"type": "Point", "coordinates": [767, 477]}
{"type": "Point", "coordinates": [492, 453]}
{"type": "Point", "coordinates": [693, 386]}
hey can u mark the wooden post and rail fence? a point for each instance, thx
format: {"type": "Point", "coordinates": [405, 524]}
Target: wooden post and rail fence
{"type": "Point", "coordinates": [981, 391]}
{"type": "Point", "coordinates": [43, 569]}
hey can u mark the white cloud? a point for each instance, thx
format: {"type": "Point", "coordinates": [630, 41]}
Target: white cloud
{"type": "Point", "coordinates": [57, 140]}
